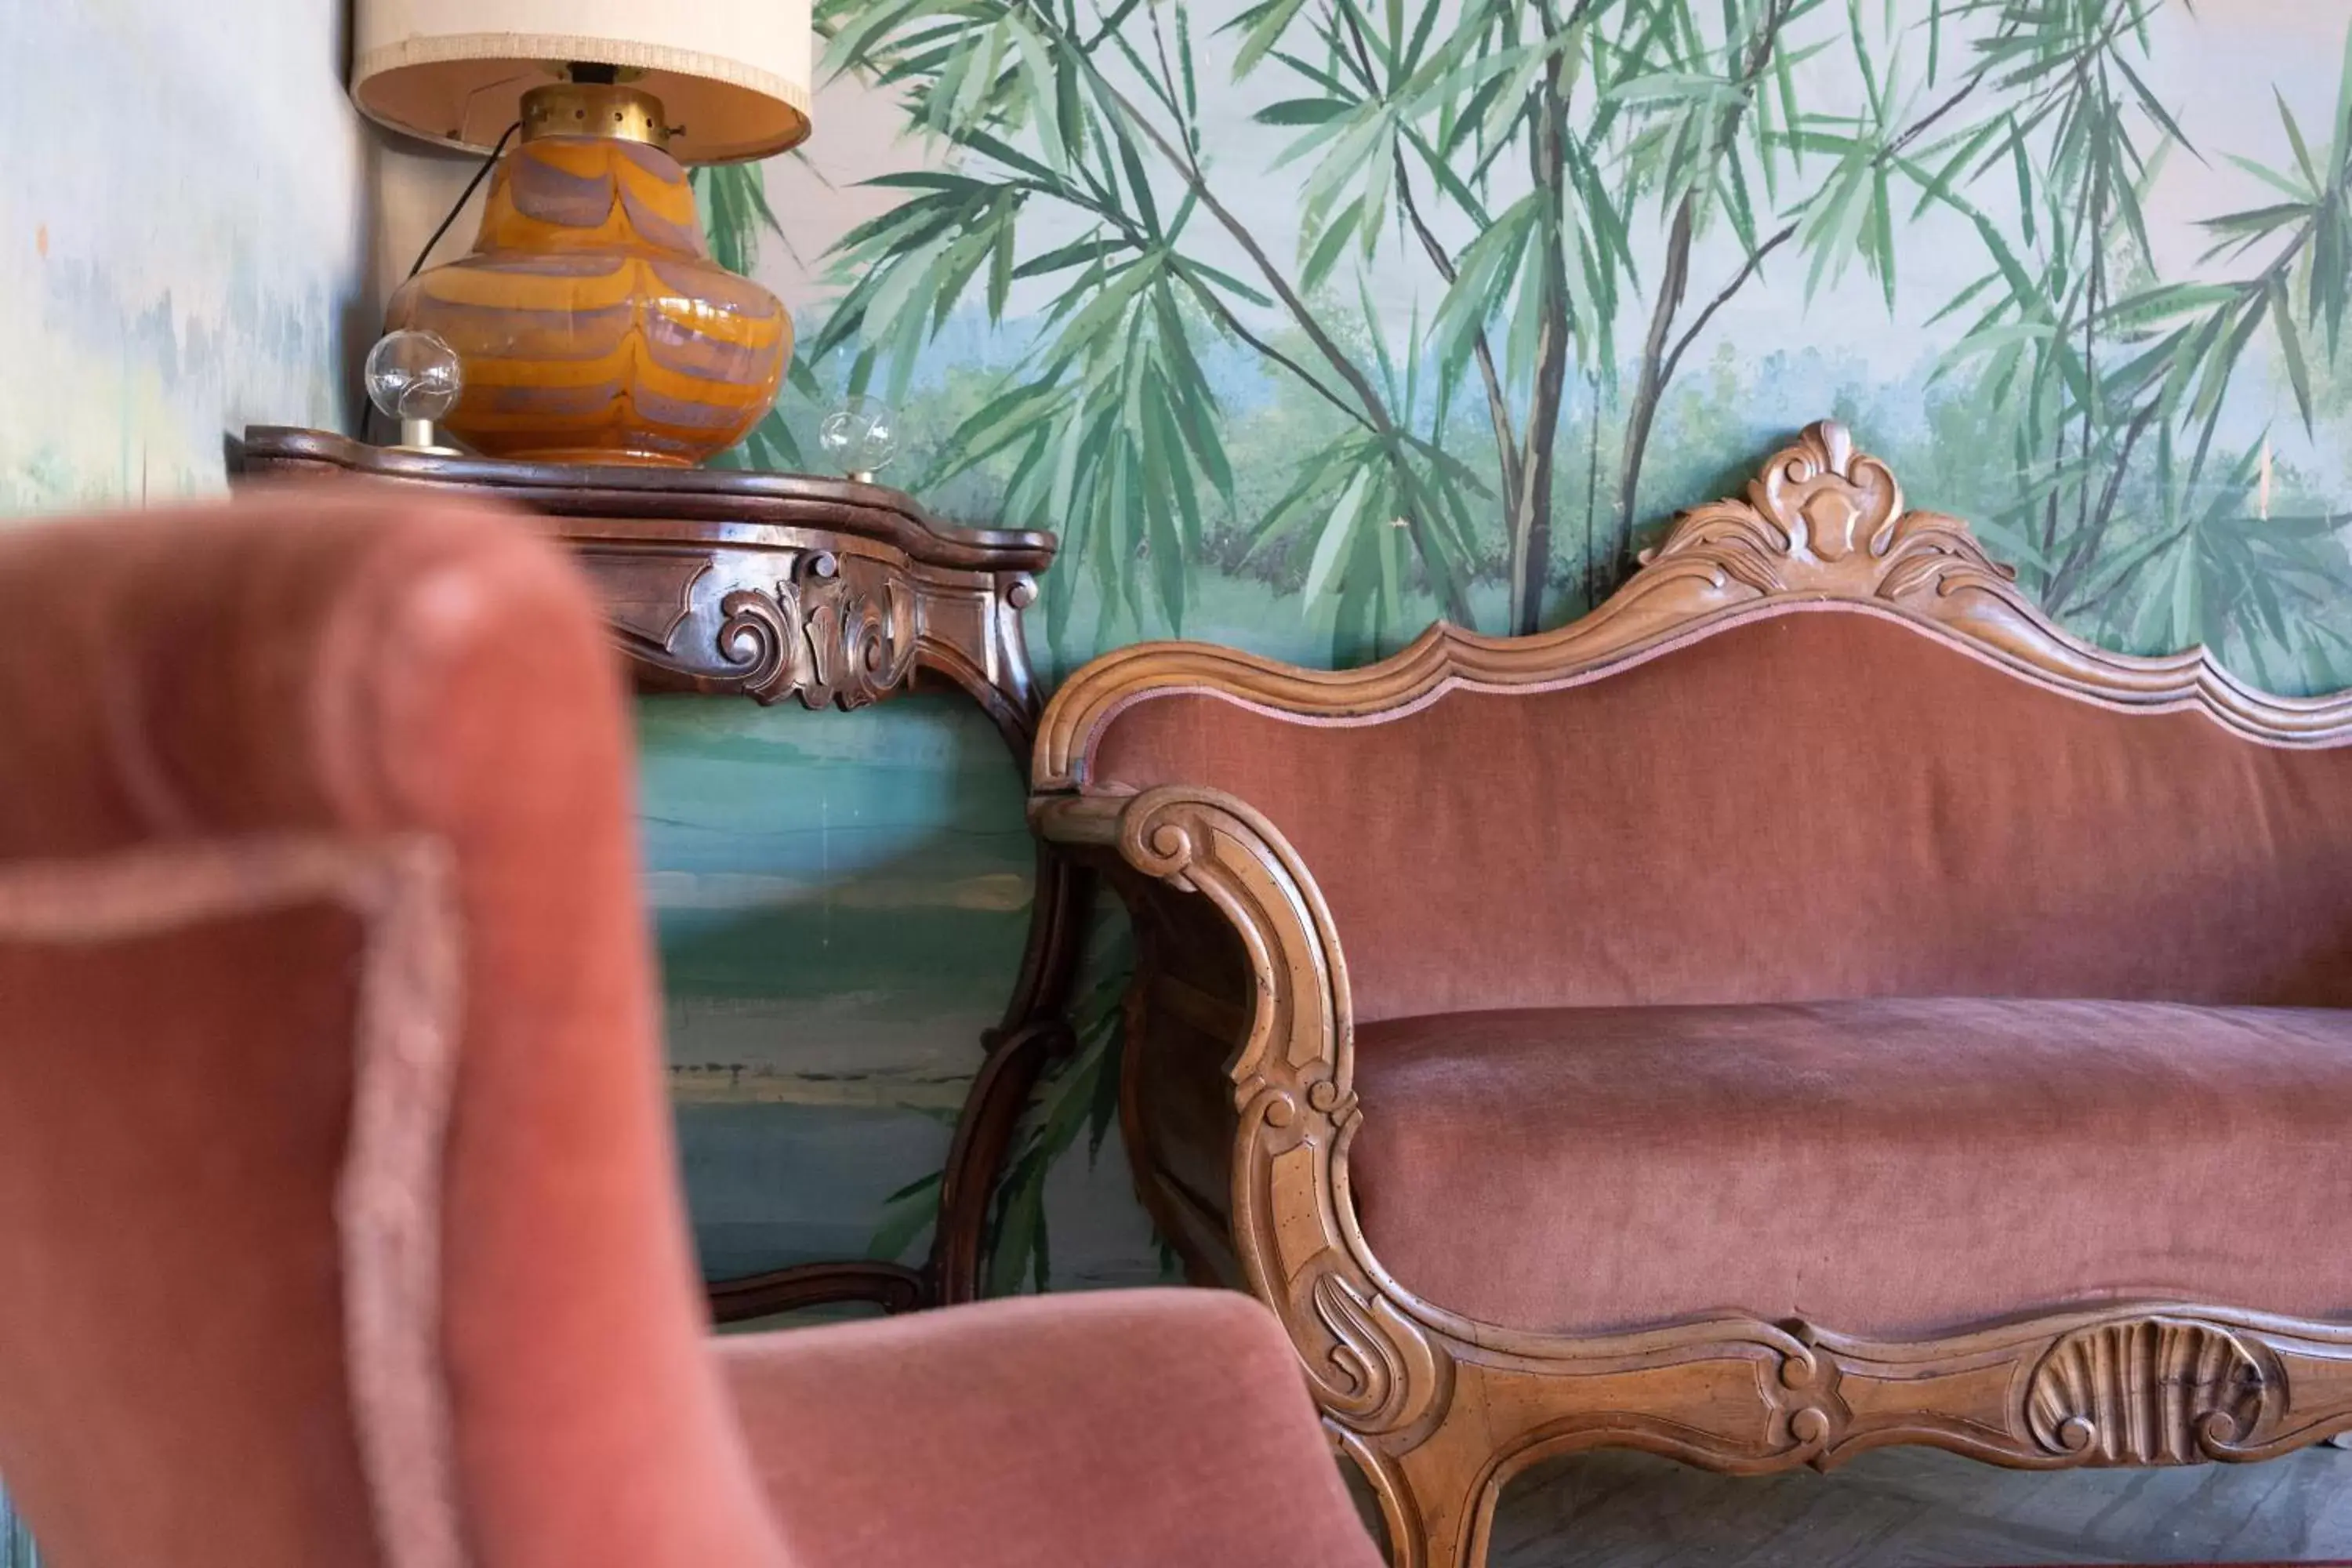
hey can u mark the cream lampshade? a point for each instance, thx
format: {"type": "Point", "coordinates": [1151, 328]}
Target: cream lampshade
{"type": "Point", "coordinates": [732, 74]}
{"type": "Point", "coordinates": [589, 320]}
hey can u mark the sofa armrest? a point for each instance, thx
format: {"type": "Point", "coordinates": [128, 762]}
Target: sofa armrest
{"type": "Point", "coordinates": [1114, 1429]}
{"type": "Point", "coordinates": [1214, 845]}
{"type": "Point", "coordinates": [1289, 1037]}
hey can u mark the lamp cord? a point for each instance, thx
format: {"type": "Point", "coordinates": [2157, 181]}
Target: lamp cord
{"type": "Point", "coordinates": [464, 196]}
{"type": "Point", "coordinates": [367, 403]}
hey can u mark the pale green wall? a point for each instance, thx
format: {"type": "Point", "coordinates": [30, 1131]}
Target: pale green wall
{"type": "Point", "coordinates": [182, 239]}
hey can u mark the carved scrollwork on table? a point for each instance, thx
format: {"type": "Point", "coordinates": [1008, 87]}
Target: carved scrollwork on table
{"type": "Point", "coordinates": [813, 637]}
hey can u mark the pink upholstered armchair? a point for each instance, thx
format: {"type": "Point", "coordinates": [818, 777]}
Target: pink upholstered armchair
{"type": "Point", "coordinates": [338, 1216]}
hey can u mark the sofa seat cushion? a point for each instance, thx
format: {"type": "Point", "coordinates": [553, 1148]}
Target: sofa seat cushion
{"type": "Point", "coordinates": [1889, 1168]}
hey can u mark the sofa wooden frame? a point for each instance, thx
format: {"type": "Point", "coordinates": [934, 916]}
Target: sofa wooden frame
{"type": "Point", "coordinates": [1241, 1045]}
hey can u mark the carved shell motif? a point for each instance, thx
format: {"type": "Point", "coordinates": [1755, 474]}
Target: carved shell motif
{"type": "Point", "coordinates": [2151, 1390]}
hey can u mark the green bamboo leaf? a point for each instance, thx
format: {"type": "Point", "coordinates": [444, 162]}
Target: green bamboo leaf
{"type": "Point", "coordinates": [2128, 563]}
{"type": "Point", "coordinates": [2301, 194]}
{"type": "Point", "coordinates": [938, 98]}
{"type": "Point", "coordinates": [1395, 392]}
{"type": "Point", "coordinates": [1411, 58]}
{"type": "Point", "coordinates": [1338, 528]}
{"type": "Point", "coordinates": [1303, 111]}
{"type": "Point", "coordinates": [1337, 84]}
{"type": "Point", "coordinates": [2182, 375]}
{"type": "Point", "coordinates": [2148, 102]}
{"type": "Point", "coordinates": [1435, 165]}
{"type": "Point", "coordinates": [1262, 27]}
{"type": "Point", "coordinates": [907, 1214]}
{"type": "Point", "coordinates": [2294, 140]}
{"type": "Point", "coordinates": [987, 77]}
{"type": "Point", "coordinates": [1883, 229]}
{"type": "Point", "coordinates": [1330, 244]}
{"type": "Point", "coordinates": [1195, 271]}
{"type": "Point", "coordinates": [1017, 1242]}
{"type": "Point", "coordinates": [1139, 183]}
{"type": "Point", "coordinates": [1960, 301]}
{"type": "Point", "coordinates": [1736, 203]}
{"type": "Point", "coordinates": [2340, 152]}
{"type": "Point", "coordinates": [1312, 474]}
{"type": "Point", "coordinates": [1160, 479]}
{"type": "Point", "coordinates": [1043, 77]}
{"type": "Point", "coordinates": [2329, 284]}
{"type": "Point", "coordinates": [1069, 107]}
{"type": "Point", "coordinates": [852, 48]}
{"type": "Point", "coordinates": [1388, 542]}
{"type": "Point", "coordinates": [2290, 349]}
{"type": "Point", "coordinates": [1383, 186]}
{"type": "Point", "coordinates": [774, 448]}
{"type": "Point", "coordinates": [1485, 272]}
{"type": "Point", "coordinates": [899, 284]}
{"type": "Point", "coordinates": [2258, 222]}
{"type": "Point", "coordinates": [1185, 493]}
{"type": "Point", "coordinates": [2024, 188]}
{"type": "Point", "coordinates": [1689, 88]}
{"type": "Point", "coordinates": [926, 179]}
{"type": "Point", "coordinates": [1012, 157]}
{"type": "Point", "coordinates": [1351, 615]}
{"type": "Point", "coordinates": [2188, 617]}
{"type": "Point", "coordinates": [1463, 85]}
{"type": "Point", "coordinates": [1068, 256]}
{"type": "Point", "coordinates": [2215, 374]}
{"type": "Point", "coordinates": [1000, 270]}
{"type": "Point", "coordinates": [1346, 144]}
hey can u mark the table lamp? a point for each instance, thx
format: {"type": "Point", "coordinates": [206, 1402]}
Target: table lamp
{"type": "Point", "coordinates": [589, 321]}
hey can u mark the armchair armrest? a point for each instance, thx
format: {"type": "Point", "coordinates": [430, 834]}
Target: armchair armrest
{"type": "Point", "coordinates": [1115, 1429]}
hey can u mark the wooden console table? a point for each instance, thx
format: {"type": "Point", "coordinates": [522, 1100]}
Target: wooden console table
{"type": "Point", "coordinates": [837, 594]}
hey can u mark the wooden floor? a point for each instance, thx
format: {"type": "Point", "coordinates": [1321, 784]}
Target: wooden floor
{"type": "Point", "coordinates": [1921, 1508]}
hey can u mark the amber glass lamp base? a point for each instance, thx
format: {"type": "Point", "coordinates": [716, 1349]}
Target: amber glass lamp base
{"type": "Point", "coordinates": [593, 325]}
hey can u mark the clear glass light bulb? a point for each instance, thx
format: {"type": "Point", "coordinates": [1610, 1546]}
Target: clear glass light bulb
{"type": "Point", "coordinates": [860, 437]}
{"type": "Point", "coordinates": [414, 376]}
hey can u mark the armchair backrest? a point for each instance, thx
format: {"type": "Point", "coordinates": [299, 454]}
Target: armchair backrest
{"type": "Point", "coordinates": [338, 1212]}
{"type": "Point", "coordinates": [1819, 747]}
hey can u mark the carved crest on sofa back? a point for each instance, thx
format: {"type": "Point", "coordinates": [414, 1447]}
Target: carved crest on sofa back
{"type": "Point", "coordinates": [1824, 519]}
{"type": "Point", "coordinates": [1821, 523]}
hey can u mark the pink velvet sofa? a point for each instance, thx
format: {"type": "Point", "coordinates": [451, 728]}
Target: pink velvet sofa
{"type": "Point", "coordinates": [1811, 1002]}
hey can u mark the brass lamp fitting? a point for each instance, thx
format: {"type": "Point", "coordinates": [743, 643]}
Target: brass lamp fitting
{"type": "Point", "coordinates": [593, 109]}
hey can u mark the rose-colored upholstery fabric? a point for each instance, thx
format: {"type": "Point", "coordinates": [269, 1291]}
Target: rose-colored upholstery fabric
{"type": "Point", "coordinates": [1897, 1168]}
{"type": "Point", "coordinates": [1827, 803]}
{"type": "Point", "coordinates": [178, 1339]}
{"type": "Point", "coordinates": [1119, 1429]}
{"type": "Point", "coordinates": [209, 1176]}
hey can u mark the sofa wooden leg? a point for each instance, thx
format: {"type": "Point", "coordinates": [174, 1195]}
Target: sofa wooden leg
{"type": "Point", "coordinates": [1453, 1508]}
{"type": "Point", "coordinates": [1433, 1518]}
